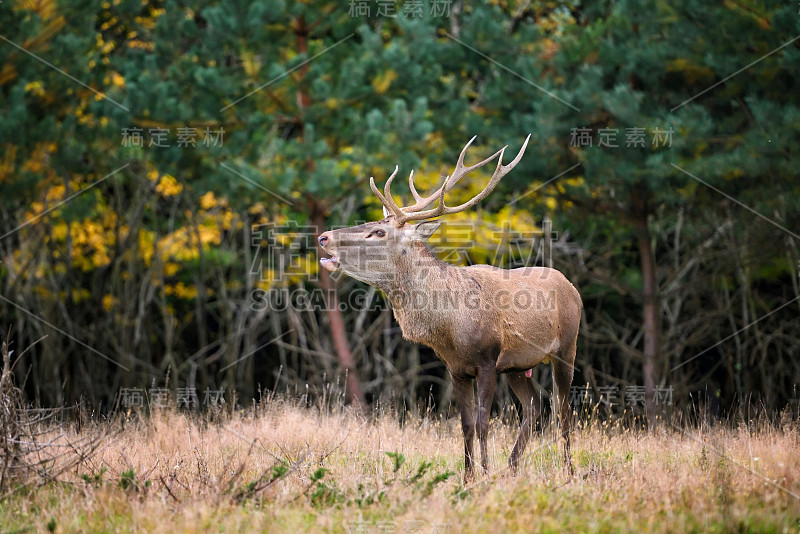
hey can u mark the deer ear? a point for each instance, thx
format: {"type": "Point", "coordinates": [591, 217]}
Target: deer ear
{"type": "Point", "coordinates": [425, 229]}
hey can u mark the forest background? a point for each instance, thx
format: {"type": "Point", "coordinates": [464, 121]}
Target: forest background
{"type": "Point", "coordinates": [165, 168]}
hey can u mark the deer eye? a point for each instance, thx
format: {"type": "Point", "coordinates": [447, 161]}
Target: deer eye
{"type": "Point", "coordinates": [380, 233]}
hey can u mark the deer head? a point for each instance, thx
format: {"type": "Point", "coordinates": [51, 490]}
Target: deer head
{"type": "Point", "coordinates": [378, 253]}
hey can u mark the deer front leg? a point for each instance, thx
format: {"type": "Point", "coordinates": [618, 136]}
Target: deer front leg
{"type": "Point", "coordinates": [487, 380]}
{"type": "Point", "coordinates": [465, 398]}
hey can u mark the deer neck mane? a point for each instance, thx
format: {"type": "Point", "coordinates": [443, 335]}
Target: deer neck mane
{"type": "Point", "coordinates": [419, 294]}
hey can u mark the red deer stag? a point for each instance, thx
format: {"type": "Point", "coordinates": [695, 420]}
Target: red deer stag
{"type": "Point", "coordinates": [480, 320]}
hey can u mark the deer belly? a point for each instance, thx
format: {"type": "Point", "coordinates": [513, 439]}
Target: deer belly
{"type": "Point", "coordinates": [509, 361]}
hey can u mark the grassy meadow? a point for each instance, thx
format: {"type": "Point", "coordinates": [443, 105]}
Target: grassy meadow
{"type": "Point", "coordinates": [281, 467]}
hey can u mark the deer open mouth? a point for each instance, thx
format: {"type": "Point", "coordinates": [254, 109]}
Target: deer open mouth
{"type": "Point", "coordinates": [331, 264]}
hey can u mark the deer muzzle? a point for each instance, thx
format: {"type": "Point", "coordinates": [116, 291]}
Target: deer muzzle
{"type": "Point", "coordinates": [329, 264]}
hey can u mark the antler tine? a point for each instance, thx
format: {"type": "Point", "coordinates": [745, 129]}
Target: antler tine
{"type": "Point", "coordinates": [387, 192]}
{"type": "Point", "coordinates": [441, 209]}
{"type": "Point", "coordinates": [510, 166]}
{"type": "Point", "coordinates": [421, 203]}
{"type": "Point", "coordinates": [387, 200]}
{"type": "Point", "coordinates": [460, 171]}
{"type": "Point", "coordinates": [414, 193]}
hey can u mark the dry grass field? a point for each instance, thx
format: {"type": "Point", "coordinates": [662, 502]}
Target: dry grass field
{"type": "Point", "coordinates": [285, 468]}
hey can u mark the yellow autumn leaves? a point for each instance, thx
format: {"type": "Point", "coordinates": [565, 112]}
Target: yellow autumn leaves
{"type": "Point", "coordinates": [91, 242]}
{"type": "Point", "coordinates": [166, 184]}
{"type": "Point", "coordinates": [383, 81]}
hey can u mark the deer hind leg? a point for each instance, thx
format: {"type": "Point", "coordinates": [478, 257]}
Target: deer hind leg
{"type": "Point", "coordinates": [563, 368]}
{"type": "Point", "coordinates": [522, 386]}
{"type": "Point", "coordinates": [465, 397]}
{"type": "Point", "coordinates": [487, 381]}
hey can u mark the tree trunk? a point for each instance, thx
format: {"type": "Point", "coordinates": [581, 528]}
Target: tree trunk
{"type": "Point", "coordinates": [301, 32]}
{"type": "Point", "coordinates": [353, 391]}
{"type": "Point", "coordinates": [650, 305]}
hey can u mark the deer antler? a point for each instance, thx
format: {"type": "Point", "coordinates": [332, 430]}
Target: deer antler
{"type": "Point", "coordinates": [418, 211]}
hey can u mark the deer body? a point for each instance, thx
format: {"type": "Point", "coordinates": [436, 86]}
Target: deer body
{"type": "Point", "coordinates": [480, 320]}
{"type": "Point", "coordinates": [457, 311]}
